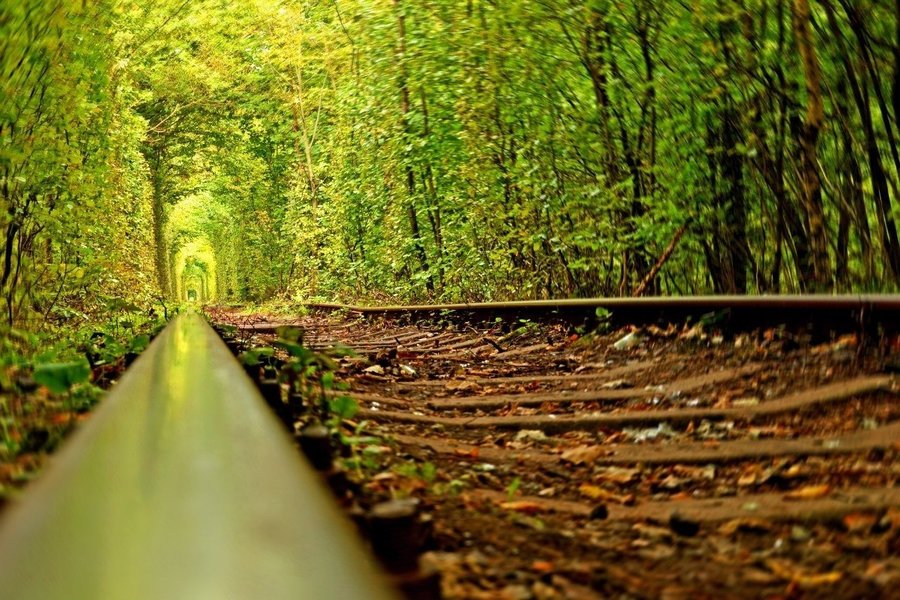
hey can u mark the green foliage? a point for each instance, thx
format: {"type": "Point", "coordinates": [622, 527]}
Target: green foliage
{"type": "Point", "coordinates": [60, 377]}
{"type": "Point", "coordinates": [256, 356]}
{"type": "Point", "coordinates": [259, 151]}
{"type": "Point", "coordinates": [513, 488]}
{"type": "Point", "coordinates": [343, 407]}
{"type": "Point", "coordinates": [138, 343]}
{"type": "Point", "coordinates": [74, 211]}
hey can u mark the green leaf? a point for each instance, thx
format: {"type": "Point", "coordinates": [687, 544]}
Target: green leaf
{"type": "Point", "coordinates": [513, 487]}
{"type": "Point", "coordinates": [340, 351]}
{"type": "Point", "coordinates": [328, 380]}
{"type": "Point", "coordinates": [60, 377]}
{"type": "Point", "coordinates": [253, 357]}
{"type": "Point", "coordinates": [294, 349]}
{"type": "Point", "coordinates": [344, 407]}
{"type": "Point", "coordinates": [289, 333]}
{"type": "Point", "coordinates": [139, 343]}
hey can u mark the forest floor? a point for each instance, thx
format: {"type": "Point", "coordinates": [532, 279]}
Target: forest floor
{"type": "Point", "coordinates": [34, 421]}
{"type": "Point", "coordinates": [639, 463]}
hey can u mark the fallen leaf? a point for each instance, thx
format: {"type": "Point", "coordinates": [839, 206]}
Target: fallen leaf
{"type": "Point", "coordinates": [749, 477]}
{"type": "Point", "coordinates": [745, 525]}
{"type": "Point", "coordinates": [856, 522]}
{"type": "Point", "coordinates": [462, 386]}
{"type": "Point", "coordinates": [592, 491]}
{"type": "Point", "coordinates": [542, 566]}
{"type": "Point", "coordinates": [810, 492]}
{"type": "Point", "coordinates": [523, 506]}
{"type": "Point", "coordinates": [787, 570]}
{"type": "Point", "coordinates": [583, 454]}
{"type": "Point", "coordinates": [619, 475]}
{"type": "Point", "coordinates": [598, 493]}
{"type": "Point", "coordinates": [461, 452]}
{"type": "Point", "coordinates": [813, 580]}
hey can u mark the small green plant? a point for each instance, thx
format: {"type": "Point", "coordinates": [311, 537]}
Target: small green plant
{"type": "Point", "coordinates": [83, 397]}
{"type": "Point", "coordinates": [513, 488]}
{"type": "Point", "coordinates": [342, 408]}
{"type": "Point", "coordinates": [367, 457]}
{"type": "Point", "coordinates": [426, 472]}
{"type": "Point", "coordinates": [256, 356]}
{"type": "Point", "coordinates": [139, 343]}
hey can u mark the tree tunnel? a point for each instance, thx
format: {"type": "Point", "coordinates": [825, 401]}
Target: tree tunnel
{"type": "Point", "coordinates": [198, 249]}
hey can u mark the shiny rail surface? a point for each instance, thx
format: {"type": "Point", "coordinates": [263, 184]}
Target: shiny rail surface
{"type": "Point", "coordinates": [182, 486]}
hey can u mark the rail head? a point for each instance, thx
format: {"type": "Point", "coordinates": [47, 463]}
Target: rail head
{"type": "Point", "coordinates": [182, 486]}
{"type": "Point", "coordinates": [843, 312]}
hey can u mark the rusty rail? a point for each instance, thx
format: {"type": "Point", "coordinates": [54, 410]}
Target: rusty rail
{"type": "Point", "coordinates": [841, 312]}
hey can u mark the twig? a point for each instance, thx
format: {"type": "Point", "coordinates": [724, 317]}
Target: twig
{"type": "Point", "coordinates": [639, 290]}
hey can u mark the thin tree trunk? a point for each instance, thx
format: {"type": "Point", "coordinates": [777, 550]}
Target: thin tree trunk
{"type": "Point", "coordinates": [410, 175]}
{"type": "Point", "coordinates": [159, 224]}
{"type": "Point", "coordinates": [852, 203]}
{"type": "Point", "coordinates": [811, 188]}
{"type": "Point", "coordinates": [887, 227]}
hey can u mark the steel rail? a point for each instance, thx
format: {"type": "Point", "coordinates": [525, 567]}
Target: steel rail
{"type": "Point", "coordinates": [842, 311]}
{"type": "Point", "coordinates": [182, 486]}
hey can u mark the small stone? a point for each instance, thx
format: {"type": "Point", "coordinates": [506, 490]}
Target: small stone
{"type": "Point", "coordinates": [627, 342]}
{"type": "Point", "coordinates": [683, 526]}
{"type": "Point", "coordinates": [599, 512]}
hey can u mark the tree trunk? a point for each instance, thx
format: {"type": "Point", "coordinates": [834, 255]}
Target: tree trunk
{"type": "Point", "coordinates": [810, 186]}
{"type": "Point", "coordinates": [410, 175]}
{"type": "Point", "coordinates": [852, 202]}
{"type": "Point", "coordinates": [159, 224]}
{"type": "Point", "coordinates": [883, 212]}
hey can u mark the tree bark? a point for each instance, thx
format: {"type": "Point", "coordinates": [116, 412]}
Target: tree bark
{"type": "Point", "coordinates": [408, 169]}
{"type": "Point", "coordinates": [810, 185]}
{"type": "Point", "coordinates": [890, 242]}
{"type": "Point", "coordinates": [159, 223]}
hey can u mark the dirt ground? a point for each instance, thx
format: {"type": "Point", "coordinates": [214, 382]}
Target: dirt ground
{"type": "Point", "coordinates": [653, 462]}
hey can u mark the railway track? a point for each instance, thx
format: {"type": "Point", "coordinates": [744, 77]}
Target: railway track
{"type": "Point", "coordinates": [592, 449]}
{"type": "Point", "coordinates": [647, 460]}
{"type": "Point", "coordinates": [181, 486]}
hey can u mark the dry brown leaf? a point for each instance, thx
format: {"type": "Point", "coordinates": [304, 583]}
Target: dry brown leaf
{"type": "Point", "coordinates": [457, 385]}
{"type": "Point", "coordinates": [749, 525]}
{"type": "Point", "coordinates": [747, 479]}
{"type": "Point", "coordinates": [810, 492]}
{"type": "Point", "coordinates": [592, 491]}
{"type": "Point", "coordinates": [542, 566]}
{"type": "Point", "coordinates": [812, 580]}
{"type": "Point", "coordinates": [523, 506]}
{"type": "Point", "coordinates": [618, 475]}
{"type": "Point", "coordinates": [583, 454]}
{"type": "Point", "coordinates": [598, 493]}
{"type": "Point", "coordinates": [789, 571]}
{"type": "Point", "coordinates": [856, 522]}
{"type": "Point", "coordinates": [463, 453]}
